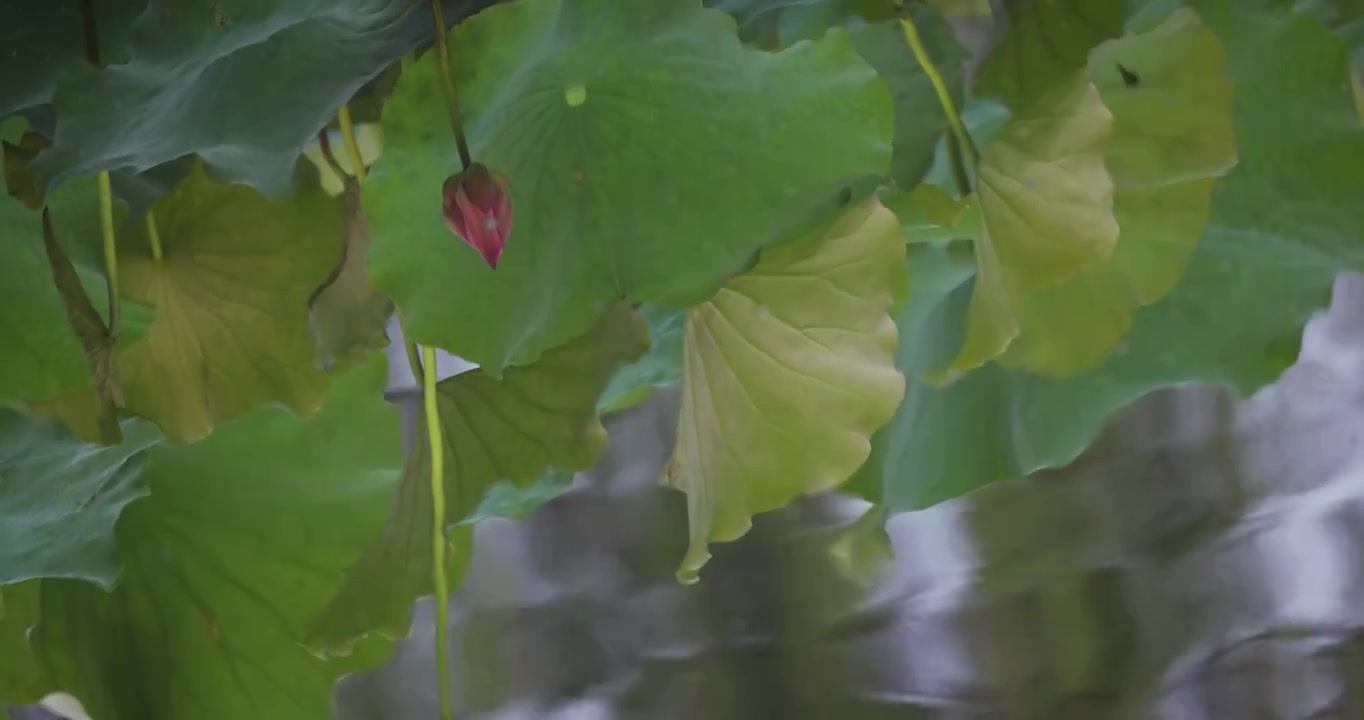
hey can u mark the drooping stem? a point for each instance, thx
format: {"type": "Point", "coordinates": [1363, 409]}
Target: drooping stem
{"type": "Point", "coordinates": [352, 146]}
{"type": "Point", "coordinates": [153, 236]}
{"type": "Point", "coordinates": [324, 144]}
{"type": "Point", "coordinates": [769, 30]}
{"type": "Point", "coordinates": [90, 32]}
{"type": "Point", "coordinates": [949, 107]}
{"type": "Point", "coordinates": [436, 439]}
{"type": "Point", "coordinates": [447, 78]}
{"type": "Point", "coordinates": [106, 218]}
{"type": "Point", "coordinates": [414, 361]}
{"type": "Point", "coordinates": [954, 161]}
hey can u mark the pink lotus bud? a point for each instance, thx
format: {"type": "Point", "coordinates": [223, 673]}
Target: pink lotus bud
{"type": "Point", "coordinates": [477, 206]}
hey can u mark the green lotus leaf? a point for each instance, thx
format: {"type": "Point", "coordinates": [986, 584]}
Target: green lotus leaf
{"type": "Point", "coordinates": [720, 151]}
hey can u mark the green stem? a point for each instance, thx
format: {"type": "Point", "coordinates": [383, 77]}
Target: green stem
{"type": "Point", "coordinates": [428, 368]}
{"type": "Point", "coordinates": [436, 439]}
{"type": "Point", "coordinates": [447, 77]}
{"type": "Point", "coordinates": [352, 146]}
{"type": "Point", "coordinates": [944, 96]}
{"type": "Point", "coordinates": [153, 236]}
{"type": "Point", "coordinates": [106, 217]}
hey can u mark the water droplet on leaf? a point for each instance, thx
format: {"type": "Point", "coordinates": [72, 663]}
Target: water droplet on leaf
{"type": "Point", "coordinates": [575, 95]}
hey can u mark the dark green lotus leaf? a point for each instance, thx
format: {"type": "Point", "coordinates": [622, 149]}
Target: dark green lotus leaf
{"type": "Point", "coordinates": [242, 540]}
{"type": "Point", "coordinates": [243, 84]}
{"type": "Point", "coordinates": [44, 41]}
{"type": "Point", "coordinates": [60, 498]}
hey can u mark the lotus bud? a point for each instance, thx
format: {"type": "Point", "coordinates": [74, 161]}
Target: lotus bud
{"type": "Point", "coordinates": [477, 207]}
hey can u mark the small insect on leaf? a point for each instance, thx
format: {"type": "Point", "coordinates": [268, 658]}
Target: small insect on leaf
{"type": "Point", "coordinates": [1129, 78]}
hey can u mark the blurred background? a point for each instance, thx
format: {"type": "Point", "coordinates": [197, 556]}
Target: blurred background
{"type": "Point", "coordinates": [1200, 562]}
